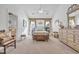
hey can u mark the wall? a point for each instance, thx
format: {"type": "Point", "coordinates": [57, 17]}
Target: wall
{"type": "Point", "coordinates": [3, 18]}
{"type": "Point", "coordinates": [21, 29]}
{"type": "Point", "coordinates": [61, 16]}
{"type": "Point", "coordinates": [77, 19]}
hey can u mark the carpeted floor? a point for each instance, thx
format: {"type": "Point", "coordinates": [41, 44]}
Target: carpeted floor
{"type": "Point", "coordinates": [28, 46]}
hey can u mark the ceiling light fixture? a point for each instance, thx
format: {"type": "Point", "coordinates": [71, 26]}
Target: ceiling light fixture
{"type": "Point", "coordinates": [40, 10]}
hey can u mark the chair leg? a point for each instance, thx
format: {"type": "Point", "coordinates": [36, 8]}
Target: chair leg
{"type": "Point", "coordinates": [4, 49]}
{"type": "Point", "coordinates": [15, 44]}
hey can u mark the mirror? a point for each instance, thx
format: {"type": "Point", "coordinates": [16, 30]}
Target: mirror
{"type": "Point", "coordinates": [73, 16]}
{"type": "Point", "coordinates": [12, 21]}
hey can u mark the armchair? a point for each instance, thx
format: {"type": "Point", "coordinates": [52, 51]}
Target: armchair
{"type": "Point", "coordinates": [7, 39]}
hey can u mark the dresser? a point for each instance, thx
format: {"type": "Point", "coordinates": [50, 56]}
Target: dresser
{"type": "Point", "coordinates": [70, 37]}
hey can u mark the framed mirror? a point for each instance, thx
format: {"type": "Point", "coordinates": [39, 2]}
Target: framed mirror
{"type": "Point", "coordinates": [73, 16]}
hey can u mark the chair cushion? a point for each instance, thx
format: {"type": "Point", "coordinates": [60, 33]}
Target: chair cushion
{"type": "Point", "coordinates": [10, 41]}
{"type": "Point", "coordinates": [6, 39]}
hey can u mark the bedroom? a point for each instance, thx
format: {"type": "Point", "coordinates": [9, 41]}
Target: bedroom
{"type": "Point", "coordinates": [35, 27]}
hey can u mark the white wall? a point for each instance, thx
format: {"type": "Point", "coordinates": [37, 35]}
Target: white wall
{"type": "Point", "coordinates": [77, 19]}
{"type": "Point", "coordinates": [3, 18]}
{"type": "Point", "coordinates": [60, 15]}
{"type": "Point", "coordinates": [21, 29]}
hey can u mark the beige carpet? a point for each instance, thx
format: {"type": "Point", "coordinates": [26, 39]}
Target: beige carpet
{"type": "Point", "coordinates": [28, 46]}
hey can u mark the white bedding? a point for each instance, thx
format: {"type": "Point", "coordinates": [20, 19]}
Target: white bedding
{"type": "Point", "coordinates": [40, 33]}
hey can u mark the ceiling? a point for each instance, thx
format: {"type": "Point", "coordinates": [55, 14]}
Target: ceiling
{"type": "Point", "coordinates": [31, 9]}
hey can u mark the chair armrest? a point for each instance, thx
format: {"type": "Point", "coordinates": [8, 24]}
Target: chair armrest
{"type": "Point", "coordinates": [1, 40]}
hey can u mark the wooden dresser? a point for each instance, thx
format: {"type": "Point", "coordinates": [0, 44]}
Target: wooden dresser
{"type": "Point", "coordinates": [70, 37]}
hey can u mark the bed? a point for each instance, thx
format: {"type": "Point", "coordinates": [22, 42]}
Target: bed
{"type": "Point", "coordinates": [40, 34]}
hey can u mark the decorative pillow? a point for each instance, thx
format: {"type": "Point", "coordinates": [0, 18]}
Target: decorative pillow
{"type": "Point", "coordinates": [40, 28]}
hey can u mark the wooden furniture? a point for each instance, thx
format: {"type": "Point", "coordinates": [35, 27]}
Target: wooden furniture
{"type": "Point", "coordinates": [7, 39]}
{"type": "Point", "coordinates": [41, 36]}
{"type": "Point", "coordinates": [70, 37]}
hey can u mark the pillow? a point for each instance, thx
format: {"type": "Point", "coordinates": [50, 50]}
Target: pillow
{"type": "Point", "coordinates": [40, 28]}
